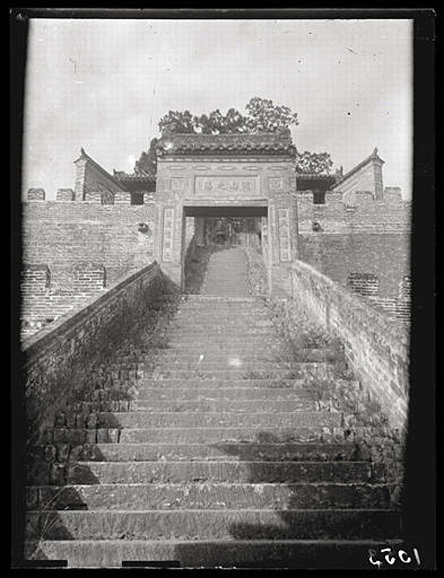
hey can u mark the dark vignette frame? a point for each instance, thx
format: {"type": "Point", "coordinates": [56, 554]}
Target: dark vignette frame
{"type": "Point", "coordinates": [420, 488]}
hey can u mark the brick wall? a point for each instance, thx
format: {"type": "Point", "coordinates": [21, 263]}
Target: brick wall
{"type": "Point", "coordinates": [61, 235]}
{"type": "Point", "coordinates": [366, 238]}
{"type": "Point", "coordinates": [375, 347]}
{"type": "Point", "coordinates": [58, 358]}
{"type": "Point", "coordinates": [68, 248]}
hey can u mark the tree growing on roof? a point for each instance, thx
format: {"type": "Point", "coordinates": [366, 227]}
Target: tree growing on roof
{"type": "Point", "coordinates": [262, 115]}
{"type": "Point", "coordinates": [314, 163]}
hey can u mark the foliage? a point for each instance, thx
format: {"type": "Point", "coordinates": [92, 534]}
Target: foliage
{"type": "Point", "coordinates": [147, 163]}
{"type": "Point", "coordinates": [262, 115]}
{"type": "Point", "coordinates": [314, 163]}
{"type": "Point", "coordinates": [265, 116]}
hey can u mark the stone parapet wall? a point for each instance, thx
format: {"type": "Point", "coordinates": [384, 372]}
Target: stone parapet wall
{"type": "Point", "coordinates": [59, 358]}
{"type": "Point", "coordinates": [375, 347]}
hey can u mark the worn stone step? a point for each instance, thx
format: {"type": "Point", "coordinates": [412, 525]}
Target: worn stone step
{"type": "Point", "coordinates": [229, 363]}
{"type": "Point", "coordinates": [214, 349]}
{"type": "Point", "coordinates": [303, 554]}
{"type": "Point", "coordinates": [222, 340]}
{"type": "Point", "coordinates": [299, 370]}
{"type": "Point", "coordinates": [236, 359]}
{"type": "Point", "coordinates": [235, 325]}
{"type": "Point", "coordinates": [203, 300]}
{"type": "Point", "coordinates": [217, 352]}
{"type": "Point", "coordinates": [140, 419]}
{"type": "Point", "coordinates": [233, 405]}
{"type": "Point", "coordinates": [224, 386]}
{"type": "Point", "coordinates": [224, 471]}
{"type": "Point", "coordinates": [209, 496]}
{"type": "Point", "coordinates": [210, 435]}
{"type": "Point", "coordinates": [205, 392]}
{"type": "Point", "coordinates": [263, 450]}
{"type": "Point", "coordinates": [153, 403]}
{"type": "Point", "coordinates": [225, 317]}
{"type": "Point", "coordinates": [229, 335]}
{"type": "Point", "coordinates": [213, 525]}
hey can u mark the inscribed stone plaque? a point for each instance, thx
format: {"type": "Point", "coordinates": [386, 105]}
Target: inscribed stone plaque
{"type": "Point", "coordinates": [226, 185]}
{"type": "Point", "coordinates": [168, 233]}
{"type": "Point", "coordinates": [284, 234]}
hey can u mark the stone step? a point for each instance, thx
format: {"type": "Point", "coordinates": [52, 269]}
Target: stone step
{"type": "Point", "coordinates": [221, 357]}
{"type": "Point", "coordinates": [230, 362]}
{"type": "Point", "coordinates": [234, 405]}
{"type": "Point", "coordinates": [223, 322]}
{"type": "Point", "coordinates": [297, 385]}
{"type": "Point", "coordinates": [215, 348]}
{"type": "Point", "coordinates": [244, 365]}
{"type": "Point", "coordinates": [215, 352]}
{"type": "Point", "coordinates": [298, 554]}
{"type": "Point", "coordinates": [206, 300]}
{"type": "Point", "coordinates": [172, 435]}
{"type": "Point", "coordinates": [233, 332]}
{"type": "Point", "coordinates": [222, 314]}
{"type": "Point", "coordinates": [216, 341]}
{"type": "Point", "coordinates": [203, 391]}
{"type": "Point", "coordinates": [212, 525]}
{"type": "Point", "coordinates": [298, 370]}
{"type": "Point", "coordinates": [209, 496]}
{"type": "Point", "coordinates": [140, 419]}
{"type": "Point", "coordinates": [209, 435]}
{"type": "Point", "coordinates": [224, 471]}
{"type": "Point", "coordinates": [212, 435]}
{"type": "Point", "coordinates": [264, 450]}
{"type": "Point", "coordinates": [191, 405]}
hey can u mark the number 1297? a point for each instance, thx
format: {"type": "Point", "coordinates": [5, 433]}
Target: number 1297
{"type": "Point", "coordinates": [390, 557]}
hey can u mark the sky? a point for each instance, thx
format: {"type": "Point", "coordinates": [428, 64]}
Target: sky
{"type": "Point", "coordinates": [103, 85]}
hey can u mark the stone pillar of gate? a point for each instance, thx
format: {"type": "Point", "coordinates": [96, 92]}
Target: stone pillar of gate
{"type": "Point", "coordinates": [219, 172]}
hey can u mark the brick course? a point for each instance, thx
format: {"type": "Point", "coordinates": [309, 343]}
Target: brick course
{"type": "Point", "coordinates": [375, 347]}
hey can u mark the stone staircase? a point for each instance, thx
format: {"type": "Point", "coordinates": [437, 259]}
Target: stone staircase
{"type": "Point", "coordinates": [222, 458]}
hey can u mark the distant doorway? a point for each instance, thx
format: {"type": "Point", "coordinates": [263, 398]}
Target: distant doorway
{"type": "Point", "coordinates": [232, 231]}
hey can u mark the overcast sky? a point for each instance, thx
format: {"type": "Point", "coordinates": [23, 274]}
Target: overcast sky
{"type": "Point", "coordinates": [104, 85]}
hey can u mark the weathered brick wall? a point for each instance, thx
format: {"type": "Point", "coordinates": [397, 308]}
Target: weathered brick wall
{"type": "Point", "coordinates": [367, 237]}
{"type": "Point", "coordinates": [375, 347]}
{"type": "Point", "coordinates": [42, 304]}
{"type": "Point", "coordinates": [63, 234]}
{"type": "Point", "coordinates": [59, 358]}
{"type": "Point", "coordinates": [63, 238]}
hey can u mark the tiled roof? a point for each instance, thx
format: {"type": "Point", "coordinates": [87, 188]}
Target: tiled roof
{"type": "Point", "coordinates": [265, 143]}
{"type": "Point", "coordinates": [373, 156]}
{"type": "Point", "coordinates": [142, 178]}
{"type": "Point", "coordinates": [315, 177]}
{"type": "Point", "coordinates": [85, 156]}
